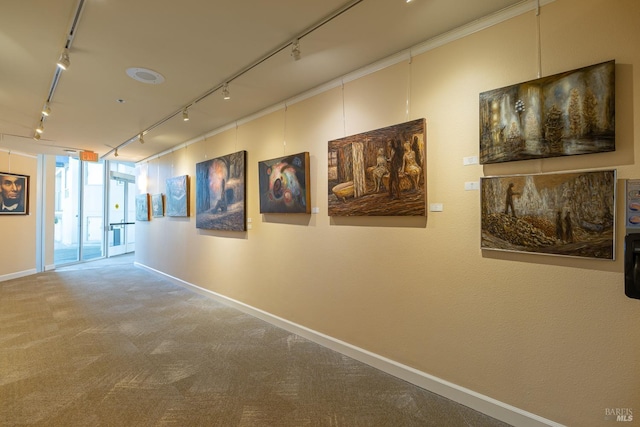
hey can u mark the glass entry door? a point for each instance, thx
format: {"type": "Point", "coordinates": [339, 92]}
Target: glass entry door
{"type": "Point", "coordinates": [79, 211]}
{"type": "Point", "coordinates": [121, 212]}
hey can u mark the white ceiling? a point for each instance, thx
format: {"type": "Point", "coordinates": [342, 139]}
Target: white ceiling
{"type": "Point", "coordinates": [196, 45]}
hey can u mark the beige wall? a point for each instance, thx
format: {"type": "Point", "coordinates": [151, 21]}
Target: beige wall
{"type": "Point", "coordinates": [19, 231]}
{"type": "Point", "coordinates": [551, 335]}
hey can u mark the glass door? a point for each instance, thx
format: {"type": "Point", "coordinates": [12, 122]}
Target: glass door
{"type": "Point", "coordinates": [67, 211]}
{"type": "Point", "coordinates": [78, 222]}
{"type": "Point", "coordinates": [121, 211]}
{"type": "Point", "coordinates": [130, 241]}
{"type": "Point", "coordinates": [92, 211]}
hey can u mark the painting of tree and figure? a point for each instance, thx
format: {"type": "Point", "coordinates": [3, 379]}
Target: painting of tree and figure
{"type": "Point", "coordinates": [177, 200]}
{"type": "Point", "coordinates": [220, 193]}
{"type": "Point", "coordinates": [379, 173]}
{"type": "Point", "coordinates": [568, 214]}
{"type": "Point", "coordinates": [561, 115]}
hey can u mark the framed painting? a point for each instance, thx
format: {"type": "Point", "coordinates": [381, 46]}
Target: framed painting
{"type": "Point", "coordinates": [15, 194]}
{"type": "Point", "coordinates": [220, 193]}
{"type": "Point", "coordinates": [142, 207]}
{"type": "Point", "coordinates": [157, 205]}
{"type": "Point", "coordinates": [177, 197]}
{"type": "Point", "coordinates": [380, 172]}
{"type": "Point", "coordinates": [571, 214]}
{"type": "Point", "coordinates": [285, 184]}
{"type": "Point", "coordinates": [561, 115]}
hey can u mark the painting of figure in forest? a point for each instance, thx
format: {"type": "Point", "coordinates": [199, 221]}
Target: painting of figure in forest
{"type": "Point", "coordinates": [177, 199]}
{"type": "Point", "coordinates": [157, 205]}
{"type": "Point", "coordinates": [284, 184]}
{"type": "Point", "coordinates": [561, 115]}
{"type": "Point", "coordinates": [220, 193]}
{"type": "Point", "coordinates": [571, 214]}
{"type": "Point", "coordinates": [380, 172]}
{"type": "Point", "coordinates": [142, 207]}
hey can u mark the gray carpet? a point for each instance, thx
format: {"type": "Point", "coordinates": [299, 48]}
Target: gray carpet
{"type": "Point", "coordinates": [116, 345]}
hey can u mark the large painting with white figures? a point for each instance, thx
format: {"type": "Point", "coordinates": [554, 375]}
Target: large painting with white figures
{"type": "Point", "coordinates": [380, 172]}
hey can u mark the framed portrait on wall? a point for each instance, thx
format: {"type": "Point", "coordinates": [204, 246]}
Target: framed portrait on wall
{"type": "Point", "coordinates": [15, 194]}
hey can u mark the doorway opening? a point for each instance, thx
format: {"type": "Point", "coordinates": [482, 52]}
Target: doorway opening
{"type": "Point", "coordinates": [94, 210]}
{"type": "Point", "coordinates": [121, 209]}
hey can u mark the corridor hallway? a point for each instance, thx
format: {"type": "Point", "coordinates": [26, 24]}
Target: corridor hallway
{"type": "Point", "coordinates": [107, 343]}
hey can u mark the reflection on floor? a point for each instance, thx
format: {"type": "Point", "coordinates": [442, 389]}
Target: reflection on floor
{"type": "Point", "coordinates": [125, 259]}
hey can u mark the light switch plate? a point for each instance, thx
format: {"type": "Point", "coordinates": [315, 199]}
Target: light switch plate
{"type": "Point", "coordinates": [471, 160]}
{"type": "Point", "coordinates": [471, 185]}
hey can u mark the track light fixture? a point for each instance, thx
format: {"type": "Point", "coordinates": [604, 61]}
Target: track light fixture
{"type": "Point", "coordinates": [185, 115]}
{"type": "Point", "coordinates": [63, 61]}
{"type": "Point", "coordinates": [36, 136]}
{"type": "Point", "coordinates": [141, 138]}
{"type": "Point", "coordinates": [40, 128]}
{"type": "Point", "coordinates": [295, 49]}
{"type": "Point", "coordinates": [115, 153]}
{"type": "Point", "coordinates": [46, 110]}
{"type": "Point", "coordinates": [225, 91]}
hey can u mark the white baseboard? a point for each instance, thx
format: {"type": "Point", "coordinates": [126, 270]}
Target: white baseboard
{"type": "Point", "coordinates": [49, 267]}
{"type": "Point", "coordinates": [17, 275]}
{"type": "Point", "coordinates": [487, 405]}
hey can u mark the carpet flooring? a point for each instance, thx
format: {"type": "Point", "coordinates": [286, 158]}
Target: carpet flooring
{"type": "Point", "coordinates": [111, 344]}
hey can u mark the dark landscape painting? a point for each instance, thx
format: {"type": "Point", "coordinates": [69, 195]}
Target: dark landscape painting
{"type": "Point", "coordinates": [561, 115]}
{"type": "Point", "coordinates": [220, 193]}
{"type": "Point", "coordinates": [177, 198]}
{"type": "Point", "coordinates": [570, 214]}
{"type": "Point", "coordinates": [380, 172]}
{"type": "Point", "coordinates": [284, 184]}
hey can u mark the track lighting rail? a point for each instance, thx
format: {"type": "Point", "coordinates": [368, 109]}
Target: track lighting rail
{"type": "Point", "coordinates": [243, 71]}
{"type": "Point", "coordinates": [69, 40]}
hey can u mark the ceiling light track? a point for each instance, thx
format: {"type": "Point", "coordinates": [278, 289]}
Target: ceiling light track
{"type": "Point", "coordinates": [74, 24]}
{"type": "Point", "coordinates": [65, 57]}
{"type": "Point", "coordinates": [224, 85]}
